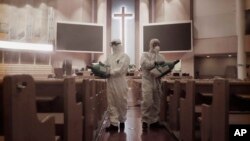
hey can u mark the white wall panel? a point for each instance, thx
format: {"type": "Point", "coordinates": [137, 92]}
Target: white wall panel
{"type": "Point", "coordinates": [214, 18]}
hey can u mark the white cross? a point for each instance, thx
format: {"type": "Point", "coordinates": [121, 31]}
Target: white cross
{"type": "Point", "coordinates": [123, 15]}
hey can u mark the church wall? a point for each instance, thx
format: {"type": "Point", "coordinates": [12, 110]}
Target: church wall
{"type": "Point", "coordinates": [214, 18]}
{"type": "Point", "coordinates": [214, 27]}
{"type": "Point", "coordinates": [171, 10]}
{"type": "Point", "coordinates": [176, 10]}
{"type": "Point", "coordinates": [35, 21]}
{"type": "Point", "coordinates": [159, 11]}
{"type": "Point", "coordinates": [144, 8]}
{"type": "Point", "coordinates": [102, 18]}
{"type": "Point", "coordinates": [214, 33]}
{"type": "Point", "coordinates": [219, 45]}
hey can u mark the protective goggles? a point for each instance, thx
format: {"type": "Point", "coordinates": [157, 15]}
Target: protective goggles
{"type": "Point", "coordinates": [156, 44]}
{"type": "Point", "coordinates": [114, 43]}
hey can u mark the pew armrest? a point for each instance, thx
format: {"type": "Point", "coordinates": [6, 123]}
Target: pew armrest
{"type": "Point", "coordinates": [45, 98]}
{"type": "Point", "coordinates": [205, 120]}
{"type": "Point", "coordinates": [59, 117]}
{"type": "Point", "coordinates": [46, 118]}
{"type": "Point", "coordinates": [236, 119]}
{"type": "Point", "coordinates": [57, 138]}
{"type": "Point", "coordinates": [207, 94]}
{"type": "Point", "coordinates": [243, 96]}
{"type": "Point", "coordinates": [198, 108]}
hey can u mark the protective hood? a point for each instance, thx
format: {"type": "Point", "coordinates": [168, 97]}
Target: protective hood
{"type": "Point", "coordinates": [116, 46]}
{"type": "Point", "coordinates": [154, 46]}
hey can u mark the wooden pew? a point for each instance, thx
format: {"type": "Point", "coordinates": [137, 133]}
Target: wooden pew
{"type": "Point", "coordinates": [54, 88]}
{"type": "Point", "coordinates": [50, 88]}
{"type": "Point", "coordinates": [190, 107]}
{"type": "Point", "coordinates": [187, 113]}
{"type": "Point", "coordinates": [184, 105]}
{"type": "Point", "coordinates": [69, 121]}
{"type": "Point", "coordinates": [174, 97]}
{"type": "Point", "coordinates": [46, 102]}
{"type": "Point", "coordinates": [221, 101]}
{"type": "Point", "coordinates": [220, 114]}
{"type": "Point", "coordinates": [20, 120]}
{"type": "Point", "coordinates": [93, 94]}
{"type": "Point", "coordinates": [239, 95]}
{"type": "Point", "coordinates": [88, 86]}
{"type": "Point", "coordinates": [94, 102]}
{"type": "Point", "coordinates": [72, 112]}
{"type": "Point", "coordinates": [164, 102]}
{"type": "Point", "coordinates": [101, 102]}
{"type": "Point", "coordinates": [93, 107]}
{"type": "Point", "coordinates": [216, 118]}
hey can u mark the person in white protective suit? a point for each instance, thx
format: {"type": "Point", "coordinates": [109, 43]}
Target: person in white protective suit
{"type": "Point", "coordinates": [151, 88]}
{"type": "Point", "coordinates": [117, 87]}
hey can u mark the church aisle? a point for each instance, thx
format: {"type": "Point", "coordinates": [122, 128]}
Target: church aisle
{"type": "Point", "coordinates": [133, 128]}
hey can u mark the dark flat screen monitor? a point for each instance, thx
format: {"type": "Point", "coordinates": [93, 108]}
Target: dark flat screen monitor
{"type": "Point", "coordinates": [79, 37]}
{"type": "Point", "coordinates": [174, 37]}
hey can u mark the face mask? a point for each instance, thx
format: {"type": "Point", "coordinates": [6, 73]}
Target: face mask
{"type": "Point", "coordinates": [156, 49]}
{"type": "Point", "coordinates": [116, 49]}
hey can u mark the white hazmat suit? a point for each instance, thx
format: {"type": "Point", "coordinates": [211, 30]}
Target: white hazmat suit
{"type": "Point", "coordinates": [151, 88]}
{"type": "Point", "coordinates": [117, 87]}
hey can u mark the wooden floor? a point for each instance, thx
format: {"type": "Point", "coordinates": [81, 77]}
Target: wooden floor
{"type": "Point", "coordinates": [133, 129]}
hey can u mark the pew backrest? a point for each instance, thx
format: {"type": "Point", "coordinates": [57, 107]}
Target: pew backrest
{"type": "Point", "coordinates": [20, 120]}
{"type": "Point", "coordinates": [72, 112]}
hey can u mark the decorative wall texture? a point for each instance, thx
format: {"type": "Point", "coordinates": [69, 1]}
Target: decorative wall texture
{"type": "Point", "coordinates": [35, 21]}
